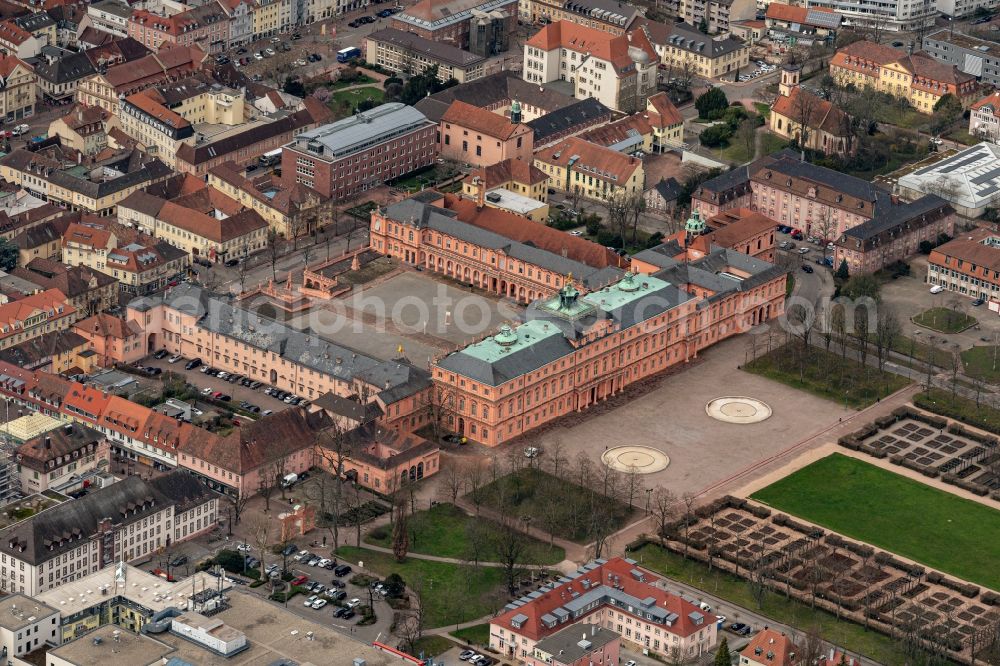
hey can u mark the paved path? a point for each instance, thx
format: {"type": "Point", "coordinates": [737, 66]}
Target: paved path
{"type": "Point", "coordinates": [458, 560]}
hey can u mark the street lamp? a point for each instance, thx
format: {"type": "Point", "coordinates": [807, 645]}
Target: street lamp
{"type": "Point", "coordinates": [649, 492]}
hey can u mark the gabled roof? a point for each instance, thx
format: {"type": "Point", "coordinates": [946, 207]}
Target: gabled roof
{"type": "Point", "coordinates": [493, 91]}
{"type": "Point", "coordinates": [513, 169]}
{"type": "Point", "coordinates": [480, 120]}
{"type": "Point", "coordinates": [662, 112]}
{"type": "Point", "coordinates": [816, 112]}
{"type": "Point", "coordinates": [879, 54]}
{"type": "Point", "coordinates": [585, 112]}
{"type": "Point", "coordinates": [586, 157]}
{"type": "Point", "coordinates": [619, 50]}
{"type": "Point", "coordinates": [992, 101]}
{"type": "Point", "coordinates": [105, 325]}
{"type": "Point", "coordinates": [771, 648]}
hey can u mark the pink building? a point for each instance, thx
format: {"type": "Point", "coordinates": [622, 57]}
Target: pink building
{"type": "Point", "coordinates": [479, 137]}
{"type": "Point", "coordinates": [578, 645]}
{"type": "Point", "coordinates": [725, 192]}
{"type": "Point", "coordinates": [206, 27]}
{"type": "Point", "coordinates": [616, 597]}
{"type": "Point", "coordinates": [113, 339]}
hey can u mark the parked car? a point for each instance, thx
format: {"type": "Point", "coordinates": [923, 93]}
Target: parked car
{"type": "Point", "coordinates": [173, 359]}
{"type": "Point", "coordinates": [310, 600]}
{"type": "Point", "coordinates": [339, 595]}
{"type": "Point", "coordinates": [339, 612]}
{"type": "Point", "coordinates": [244, 548]}
{"type": "Point", "coordinates": [342, 571]}
{"type": "Point", "coordinates": [299, 580]}
{"type": "Point", "coordinates": [179, 561]}
{"type": "Point", "coordinates": [740, 629]}
{"type": "Point", "coordinates": [319, 603]}
{"type": "Point", "coordinates": [192, 364]}
{"type": "Point", "coordinates": [289, 549]}
{"type": "Point", "coordinates": [979, 301]}
{"type": "Point", "coordinates": [160, 354]}
{"type": "Point", "coordinates": [806, 268]}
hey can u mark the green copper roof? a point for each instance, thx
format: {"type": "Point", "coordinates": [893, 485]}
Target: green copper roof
{"type": "Point", "coordinates": [630, 288]}
{"type": "Point", "coordinates": [694, 224]}
{"type": "Point", "coordinates": [510, 340]}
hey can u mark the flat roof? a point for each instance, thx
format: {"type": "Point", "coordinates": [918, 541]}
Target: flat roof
{"type": "Point", "coordinates": [141, 587]}
{"type": "Point", "coordinates": [112, 646]}
{"type": "Point", "coordinates": [18, 611]}
{"type": "Point", "coordinates": [514, 202]}
{"type": "Point", "coordinates": [969, 178]}
{"type": "Point", "coordinates": [361, 130]}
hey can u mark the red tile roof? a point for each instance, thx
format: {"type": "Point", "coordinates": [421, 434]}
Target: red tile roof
{"type": "Point", "coordinates": [662, 112]}
{"type": "Point", "coordinates": [771, 648]}
{"type": "Point", "coordinates": [599, 44]}
{"type": "Point", "coordinates": [596, 159]}
{"type": "Point", "coordinates": [513, 169]}
{"type": "Point", "coordinates": [150, 103]}
{"type": "Point", "coordinates": [480, 120]}
{"type": "Point", "coordinates": [818, 113]}
{"type": "Point", "coordinates": [780, 12]}
{"type": "Point", "coordinates": [992, 100]}
{"type": "Point", "coordinates": [616, 572]}
{"type": "Point", "coordinates": [107, 326]}
{"type": "Point", "coordinates": [14, 313]}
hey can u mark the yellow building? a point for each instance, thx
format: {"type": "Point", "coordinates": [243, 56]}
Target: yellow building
{"type": "Point", "coordinates": [82, 129]}
{"type": "Point", "coordinates": [514, 174]}
{"type": "Point", "coordinates": [684, 51]}
{"type": "Point", "coordinates": [917, 78]}
{"type": "Point", "coordinates": [17, 96]}
{"type": "Point", "coordinates": [595, 172]}
{"type": "Point", "coordinates": [289, 210]}
{"type": "Point", "coordinates": [271, 17]}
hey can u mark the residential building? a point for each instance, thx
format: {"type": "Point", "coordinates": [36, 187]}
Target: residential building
{"type": "Point", "coordinates": [684, 49]}
{"type": "Point", "coordinates": [26, 625]}
{"type": "Point", "coordinates": [614, 596]}
{"type": "Point", "coordinates": [110, 16]}
{"type": "Point", "coordinates": [361, 152]}
{"type": "Point", "coordinates": [892, 16]}
{"type": "Point", "coordinates": [57, 175]}
{"type": "Point", "coordinates": [568, 121]}
{"type": "Point", "coordinates": [128, 520]}
{"type": "Point", "coordinates": [41, 241]}
{"type": "Point", "coordinates": [271, 17]}
{"type": "Point", "coordinates": [792, 25]}
{"type": "Point", "coordinates": [740, 229]}
{"type": "Point", "coordinates": [504, 254]}
{"type": "Point", "coordinates": [808, 119]}
{"type": "Point", "coordinates": [972, 55]}
{"type": "Point", "coordinates": [57, 352]}
{"type": "Point", "coordinates": [88, 291]}
{"type": "Point", "coordinates": [599, 646]}
{"type": "Point", "coordinates": [662, 197]}
{"type": "Point", "coordinates": [112, 339]}
{"type": "Point", "coordinates": [751, 31]}
{"type": "Point", "coordinates": [895, 234]}
{"type": "Point", "coordinates": [240, 15]}
{"type": "Point", "coordinates": [657, 129]}
{"type": "Point", "coordinates": [68, 17]}
{"type": "Point", "coordinates": [608, 15]}
{"type": "Point", "coordinates": [479, 137]}
{"type": "Point", "coordinates": [40, 25]}
{"type": "Point", "coordinates": [593, 171]}
{"type": "Point", "coordinates": [954, 9]}
{"type": "Point", "coordinates": [969, 265]}
{"type": "Point", "coordinates": [104, 89]}
{"type": "Point", "coordinates": [83, 129]}
{"type": "Point", "coordinates": [407, 53]}
{"type": "Point", "coordinates": [515, 174]}
{"type": "Point", "coordinates": [33, 316]}
{"type": "Point", "coordinates": [58, 77]}
{"type": "Point", "coordinates": [17, 42]}
{"type": "Point", "coordinates": [770, 647]}
{"type": "Point", "coordinates": [726, 191]}
{"type": "Point", "coordinates": [205, 26]}
{"type": "Point", "coordinates": [984, 118]}
{"type": "Point", "coordinates": [619, 71]}
{"type": "Point", "coordinates": [61, 458]}
{"type": "Point", "coordinates": [17, 89]}
{"type": "Point", "coordinates": [139, 262]}
{"type": "Point", "coordinates": [455, 22]}
{"type": "Point", "coordinates": [245, 143]}
{"type": "Point", "coordinates": [290, 209]}
{"type": "Point", "coordinates": [969, 180]}
{"type": "Point", "coordinates": [497, 93]}
{"type": "Point", "coordinates": [666, 122]}
{"type": "Point", "coordinates": [917, 78]}
{"type": "Point", "coordinates": [714, 15]}
{"type": "Point", "coordinates": [163, 117]}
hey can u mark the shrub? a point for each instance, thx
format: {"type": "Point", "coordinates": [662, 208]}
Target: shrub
{"type": "Point", "coordinates": [711, 102]}
{"type": "Point", "coordinates": [715, 136]}
{"type": "Point", "coordinates": [379, 533]}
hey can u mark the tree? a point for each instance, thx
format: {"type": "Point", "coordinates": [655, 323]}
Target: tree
{"type": "Point", "coordinates": [8, 255]}
{"type": "Point", "coordinates": [237, 503]}
{"type": "Point", "coordinates": [453, 476]}
{"type": "Point", "coordinates": [861, 286]}
{"type": "Point", "coordinates": [395, 586]}
{"type": "Point", "coordinates": [509, 544]}
{"type": "Point", "coordinates": [270, 478]}
{"type": "Point", "coordinates": [842, 271]}
{"type": "Point", "coordinates": [260, 532]}
{"type": "Point", "coordinates": [400, 535]}
{"type": "Point", "coordinates": [715, 136]}
{"type": "Point", "coordinates": [293, 86]}
{"type": "Point", "coordinates": [411, 627]}
{"type": "Point", "coordinates": [273, 251]}
{"type": "Point", "coordinates": [887, 331]}
{"type": "Point", "coordinates": [947, 110]}
{"type": "Point", "coordinates": [746, 134]}
{"type": "Point", "coordinates": [703, 26]}
{"type": "Point", "coordinates": [722, 656]}
{"type": "Point", "coordinates": [711, 104]}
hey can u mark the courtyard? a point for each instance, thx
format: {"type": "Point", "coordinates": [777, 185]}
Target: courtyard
{"type": "Point", "coordinates": [705, 454]}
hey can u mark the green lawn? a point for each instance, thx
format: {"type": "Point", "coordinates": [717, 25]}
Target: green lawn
{"type": "Point", "coordinates": [736, 151]}
{"type": "Point", "coordinates": [762, 109]}
{"type": "Point", "coordinates": [944, 320]}
{"type": "Point", "coordinates": [557, 505]}
{"type": "Point", "coordinates": [827, 375]}
{"type": "Point", "coordinates": [357, 95]}
{"type": "Point", "coordinates": [963, 137]}
{"type": "Point", "coordinates": [903, 516]}
{"type": "Point", "coordinates": [452, 593]}
{"type": "Point", "coordinates": [432, 646]}
{"type": "Point", "coordinates": [983, 362]}
{"type": "Point", "coordinates": [477, 634]}
{"type": "Point", "coordinates": [362, 78]}
{"type": "Point", "coordinates": [444, 531]}
{"type": "Point", "coordinates": [842, 633]}
{"type": "Point", "coordinates": [920, 351]}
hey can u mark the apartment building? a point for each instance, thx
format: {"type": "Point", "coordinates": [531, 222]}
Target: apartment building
{"type": "Point", "coordinates": [110, 16]}
{"type": "Point", "coordinates": [610, 16]}
{"type": "Point", "coordinates": [801, 25]}
{"type": "Point", "coordinates": [33, 316]}
{"type": "Point", "coordinates": [453, 22]}
{"type": "Point", "coordinates": [917, 78]}
{"type": "Point", "coordinates": [82, 129]}
{"type": "Point", "coordinates": [516, 175]}
{"type": "Point", "coordinates": [205, 26]}
{"type": "Point", "coordinates": [619, 71]}
{"type": "Point", "coordinates": [715, 15]}
{"type": "Point", "coordinates": [290, 209]}
{"type": "Point", "coordinates": [59, 458]}
{"type": "Point", "coordinates": [104, 89]}
{"type": "Point", "coordinates": [17, 89]}
{"type": "Point", "coordinates": [128, 520]}
{"type": "Point", "coordinates": [479, 137]}
{"type": "Point", "coordinates": [591, 170]}
{"type": "Point", "coordinates": [240, 15]}
{"type": "Point", "coordinates": [972, 55]}
{"type": "Point", "coordinates": [112, 339]}
{"type": "Point", "coordinates": [683, 49]}
{"type": "Point", "coordinates": [57, 352]}
{"type": "Point", "coordinates": [969, 265]}
{"type": "Point", "coordinates": [407, 53]}
{"type": "Point", "coordinates": [568, 121]}
{"type": "Point", "coordinates": [361, 152]}
{"type": "Point", "coordinates": [613, 596]}
{"type": "Point", "coordinates": [890, 16]}
{"type": "Point", "coordinates": [87, 290]}
{"type": "Point", "coordinates": [27, 625]}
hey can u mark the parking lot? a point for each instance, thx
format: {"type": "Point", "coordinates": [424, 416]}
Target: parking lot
{"type": "Point", "coordinates": [762, 69]}
{"type": "Point", "coordinates": [202, 381]}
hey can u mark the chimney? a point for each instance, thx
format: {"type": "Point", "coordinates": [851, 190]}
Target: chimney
{"type": "Point", "coordinates": [48, 442]}
{"type": "Point", "coordinates": [480, 184]}
{"type": "Point", "coordinates": [894, 198]}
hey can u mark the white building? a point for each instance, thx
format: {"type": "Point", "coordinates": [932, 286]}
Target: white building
{"type": "Point", "coordinates": [25, 625]}
{"type": "Point", "coordinates": [211, 633]}
{"type": "Point", "coordinates": [620, 72]}
{"type": "Point", "coordinates": [968, 180]}
{"type": "Point", "coordinates": [887, 15]}
{"type": "Point", "coordinates": [984, 118]}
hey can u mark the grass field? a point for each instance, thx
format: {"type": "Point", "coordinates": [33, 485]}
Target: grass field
{"type": "Point", "coordinates": [827, 375]}
{"type": "Point", "coordinates": [452, 593]}
{"type": "Point", "coordinates": [444, 531]}
{"type": "Point", "coordinates": [557, 505]}
{"type": "Point", "coordinates": [903, 516]}
{"type": "Point", "coordinates": [944, 320]}
{"type": "Point", "coordinates": [979, 362]}
{"type": "Point", "coordinates": [736, 151]}
{"type": "Point", "coordinates": [842, 633]}
{"type": "Point", "coordinates": [477, 634]}
{"type": "Point", "coordinates": [353, 97]}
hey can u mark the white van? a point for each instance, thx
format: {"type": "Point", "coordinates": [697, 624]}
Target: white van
{"type": "Point", "coordinates": [937, 289]}
{"type": "Point", "coordinates": [288, 480]}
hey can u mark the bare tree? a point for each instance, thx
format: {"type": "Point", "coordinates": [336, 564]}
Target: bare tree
{"type": "Point", "coordinates": [269, 478]}
{"type": "Point", "coordinates": [477, 538]}
{"type": "Point", "coordinates": [887, 331]}
{"type": "Point", "coordinates": [400, 536]}
{"type": "Point", "coordinates": [664, 508]}
{"type": "Point", "coordinates": [746, 134]}
{"type": "Point", "coordinates": [273, 252]}
{"type": "Point", "coordinates": [687, 500]}
{"type": "Point", "coordinates": [510, 545]}
{"type": "Point", "coordinates": [238, 503]}
{"type": "Point", "coordinates": [260, 532]}
{"type": "Point", "coordinates": [411, 626]}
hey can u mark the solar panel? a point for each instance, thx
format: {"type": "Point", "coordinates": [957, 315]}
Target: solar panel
{"type": "Point", "coordinates": [990, 190]}
{"type": "Point", "coordinates": [992, 174]}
